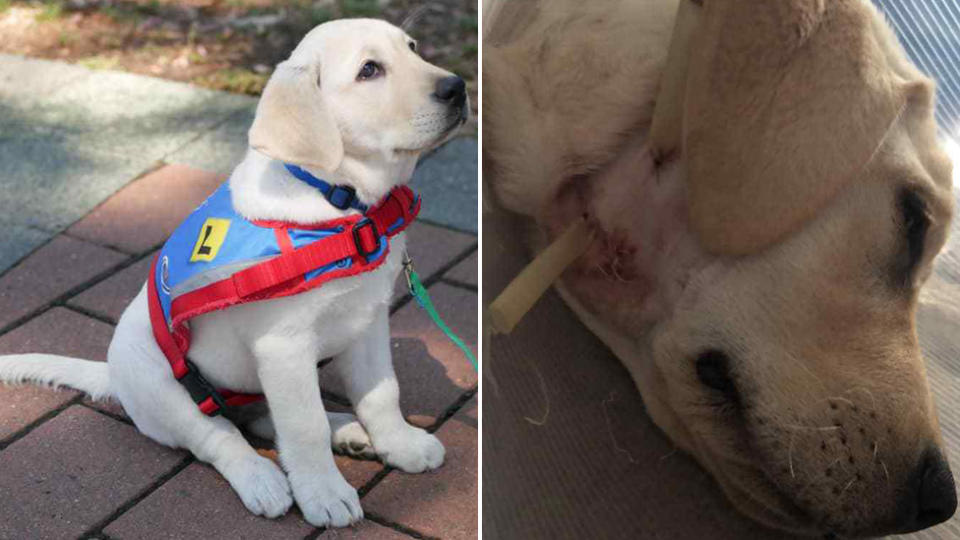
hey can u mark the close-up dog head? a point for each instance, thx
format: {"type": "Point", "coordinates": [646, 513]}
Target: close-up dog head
{"type": "Point", "coordinates": [357, 88]}
{"type": "Point", "coordinates": [761, 279]}
{"type": "Point", "coordinates": [816, 184]}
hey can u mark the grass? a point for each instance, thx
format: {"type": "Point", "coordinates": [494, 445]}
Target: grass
{"type": "Point", "coordinates": [4, 5]}
{"type": "Point", "coordinates": [51, 11]}
{"type": "Point", "coordinates": [239, 80]}
{"type": "Point", "coordinates": [360, 8]}
{"type": "Point", "coordinates": [100, 62]}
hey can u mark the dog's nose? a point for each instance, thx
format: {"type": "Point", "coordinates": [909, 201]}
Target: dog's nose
{"type": "Point", "coordinates": [451, 90]}
{"type": "Point", "coordinates": [933, 492]}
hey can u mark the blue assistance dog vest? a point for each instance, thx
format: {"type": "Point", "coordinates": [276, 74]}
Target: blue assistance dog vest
{"type": "Point", "coordinates": [216, 259]}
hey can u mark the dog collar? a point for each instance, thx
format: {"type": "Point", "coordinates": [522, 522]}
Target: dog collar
{"type": "Point", "coordinates": [340, 196]}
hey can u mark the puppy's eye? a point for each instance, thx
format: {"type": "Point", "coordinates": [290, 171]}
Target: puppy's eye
{"type": "Point", "coordinates": [915, 222]}
{"type": "Point", "coordinates": [713, 371]}
{"type": "Point", "coordinates": [369, 70]}
{"type": "Point", "coordinates": [413, 46]}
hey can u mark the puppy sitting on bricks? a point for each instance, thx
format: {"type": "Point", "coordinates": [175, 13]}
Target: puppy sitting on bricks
{"type": "Point", "coordinates": [292, 260]}
{"type": "Point", "coordinates": [760, 278]}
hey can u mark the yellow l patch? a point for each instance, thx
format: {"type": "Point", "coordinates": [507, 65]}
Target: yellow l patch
{"type": "Point", "coordinates": [212, 234]}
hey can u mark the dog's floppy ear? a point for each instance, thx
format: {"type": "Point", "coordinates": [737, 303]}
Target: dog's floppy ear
{"type": "Point", "coordinates": [786, 100]}
{"type": "Point", "coordinates": [293, 123]}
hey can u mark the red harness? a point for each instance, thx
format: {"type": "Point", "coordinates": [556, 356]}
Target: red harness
{"type": "Point", "coordinates": [280, 276]}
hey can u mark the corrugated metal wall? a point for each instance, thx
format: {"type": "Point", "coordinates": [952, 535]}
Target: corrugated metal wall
{"type": "Point", "coordinates": [930, 32]}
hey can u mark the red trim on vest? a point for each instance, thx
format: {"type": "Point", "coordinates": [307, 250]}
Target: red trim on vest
{"type": "Point", "coordinates": [338, 222]}
{"type": "Point", "coordinates": [283, 275]}
{"type": "Point", "coordinates": [160, 333]}
{"type": "Point", "coordinates": [283, 240]}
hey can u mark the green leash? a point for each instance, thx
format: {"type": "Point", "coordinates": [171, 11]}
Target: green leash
{"type": "Point", "coordinates": [420, 293]}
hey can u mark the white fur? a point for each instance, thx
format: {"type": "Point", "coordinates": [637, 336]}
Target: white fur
{"type": "Point", "coordinates": [56, 371]}
{"type": "Point", "coordinates": [273, 346]}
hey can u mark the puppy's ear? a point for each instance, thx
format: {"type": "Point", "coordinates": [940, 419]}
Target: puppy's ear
{"type": "Point", "coordinates": [293, 123]}
{"type": "Point", "coordinates": [786, 101]}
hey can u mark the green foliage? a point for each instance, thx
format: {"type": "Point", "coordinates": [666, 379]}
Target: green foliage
{"type": "Point", "coordinates": [65, 38]}
{"type": "Point", "coordinates": [100, 62]}
{"type": "Point", "coordinates": [238, 80]}
{"type": "Point", "coordinates": [51, 10]}
{"type": "Point", "coordinates": [4, 5]}
{"type": "Point", "coordinates": [360, 8]}
{"type": "Point", "coordinates": [468, 23]}
{"type": "Point", "coordinates": [319, 15]}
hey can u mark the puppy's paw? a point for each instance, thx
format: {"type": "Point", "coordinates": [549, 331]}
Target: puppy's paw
{"type": "Point", "coordinates": [328, 500]}
{"type": "Point", "coordinates": [261, 485]}
{"type": "Point", "coordinates": [412, 450]}
{"type": "Point", "coordinates": [352, 440]}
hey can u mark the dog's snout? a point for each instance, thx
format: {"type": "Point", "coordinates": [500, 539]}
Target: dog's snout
{"type": "Point", "coordinates": [451, 90]}
{"type": "Point", "coordinates": [931, 497]}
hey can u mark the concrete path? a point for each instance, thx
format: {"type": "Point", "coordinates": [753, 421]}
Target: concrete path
{"type": "Point", "coordinates": [96, 169]}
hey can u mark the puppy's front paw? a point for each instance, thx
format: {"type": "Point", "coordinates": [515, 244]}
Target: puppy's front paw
{"type": "Point", "coordinates": [352, 440]}
{"type": "Point", "coordinates": [261, 485]}
{"type": "Point", "coordinates": [411, 450]}
{"type": "Point", "coordinates": [327, 500]}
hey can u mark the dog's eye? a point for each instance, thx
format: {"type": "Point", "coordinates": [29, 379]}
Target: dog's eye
{"type": "Point", "coordinates": [914, 225]}
{"type": "Point", "coordinates": [413, 46]}
{"type": "Point", "coordinates": [713, 371]}
{"type": "Point", "coordinates": [369, 70]}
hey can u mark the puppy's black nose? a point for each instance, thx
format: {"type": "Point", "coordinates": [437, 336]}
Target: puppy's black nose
{"type": "Point", "coordinates": [934, 493]}
{"type": "Point", "coordinates": [451, 90]}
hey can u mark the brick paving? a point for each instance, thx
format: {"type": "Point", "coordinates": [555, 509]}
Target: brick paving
{"type": "Point", "coordinates": [442, 503]}
{"type": "Point", "coordinates": [77, 469]}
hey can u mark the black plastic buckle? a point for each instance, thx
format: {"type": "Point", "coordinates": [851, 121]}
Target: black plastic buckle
{"type": "Point", "coordinates": [200, 389]}
{"type": "Point", "coordinates": [342, 197]}
{"type": "Point", "coordinates": [358, 240]}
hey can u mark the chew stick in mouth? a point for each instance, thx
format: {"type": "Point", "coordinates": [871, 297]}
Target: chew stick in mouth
{"type": "Point", "coordinates": [524, 291]}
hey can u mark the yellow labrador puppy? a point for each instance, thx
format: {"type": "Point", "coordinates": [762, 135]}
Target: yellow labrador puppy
{"type": "Point", "coordinates": [759, 281]}
{"type": "Point", "coordinates": [355, 105]}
